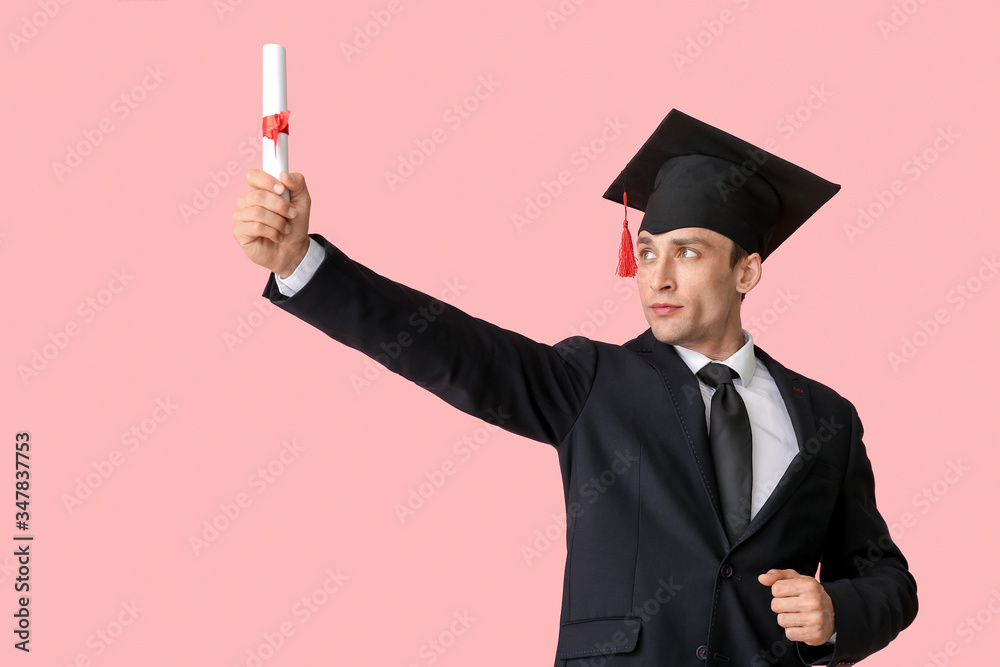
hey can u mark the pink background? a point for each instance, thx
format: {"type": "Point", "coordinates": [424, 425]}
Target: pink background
{"type": "Point", "coordinates": [835, 303]}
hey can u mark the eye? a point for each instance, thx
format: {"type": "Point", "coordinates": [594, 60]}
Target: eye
{"type": "Point", "coordinates": [642, 253]}
{"type": "Point", "coordinates": [685, 250]}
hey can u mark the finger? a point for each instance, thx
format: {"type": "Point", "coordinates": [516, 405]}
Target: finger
{"type": "Point", "coordinates": [250, 198]}
{"type": "Point", "coordinates": [801, 586]}
{"type": "Point", "coordinates": [247, 232]}
{"type": "Point", "coordinates": [258, 178]}
{"type": "Point", "coordinates": [800, 634]}
{"type": "Point", "coordinates": [263, 216]}
{"type": "Point", "coordinates": [268, 201]}
{"type": "Point", "coordinates": [296, 184]}
{"type": "Point", "coordinates": [804, 631]}
{"type": "Point", "coordinates": [786, 605]}
{"type": "Point", "coordinates": [772, 576]}
{"type": "Point", "coordinates": [791, 620]}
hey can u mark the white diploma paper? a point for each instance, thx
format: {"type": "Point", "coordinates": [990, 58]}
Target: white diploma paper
{"type": "Point", "coordinates": [275, 101]}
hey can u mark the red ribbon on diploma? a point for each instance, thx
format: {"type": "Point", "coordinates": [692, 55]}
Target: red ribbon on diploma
{"type": "Point", "coordinates": [273, 125]}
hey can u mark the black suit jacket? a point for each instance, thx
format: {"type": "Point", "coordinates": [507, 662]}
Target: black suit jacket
{"type": "Point", "coordinates": [650, 577]}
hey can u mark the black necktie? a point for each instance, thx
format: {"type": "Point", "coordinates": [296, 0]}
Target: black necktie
{"type": "Point", "coordinates": [729, 436]}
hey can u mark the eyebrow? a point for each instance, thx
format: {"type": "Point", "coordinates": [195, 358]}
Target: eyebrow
{"type": "Point", "coordinates": [680, 240]}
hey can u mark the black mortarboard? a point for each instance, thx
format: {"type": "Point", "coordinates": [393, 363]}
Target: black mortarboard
{"type": "Point", "coordinates": [690, 174]}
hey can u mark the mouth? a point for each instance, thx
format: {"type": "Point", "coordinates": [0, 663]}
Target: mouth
{"type": "Point", "coordinates": [662, 308]}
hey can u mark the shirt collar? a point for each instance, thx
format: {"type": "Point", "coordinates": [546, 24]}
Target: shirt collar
{"type": "Point", "coordinates": [742, 361]}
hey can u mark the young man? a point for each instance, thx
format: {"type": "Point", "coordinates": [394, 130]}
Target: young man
{"type": "Point", "coordinates": [704, 481]}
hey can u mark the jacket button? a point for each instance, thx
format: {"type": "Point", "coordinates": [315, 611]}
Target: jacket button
{"type": "Point", "coordinates": [702, 652]}
{"type": "Point", "coordinates": [727, 571]}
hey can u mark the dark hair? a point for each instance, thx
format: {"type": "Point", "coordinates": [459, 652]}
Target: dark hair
{"type": "Point", "coordinates": [737, 254]}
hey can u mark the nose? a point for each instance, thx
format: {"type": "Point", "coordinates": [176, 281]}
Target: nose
{"type": "Point", "coordinates": [662, 275]}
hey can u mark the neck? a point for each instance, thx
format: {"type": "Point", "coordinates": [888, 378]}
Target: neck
{"type": "Point", "coordinates": [721, 348]}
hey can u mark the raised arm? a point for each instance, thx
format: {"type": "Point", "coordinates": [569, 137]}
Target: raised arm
{"type": "Point", "coordinates": [529, 388]}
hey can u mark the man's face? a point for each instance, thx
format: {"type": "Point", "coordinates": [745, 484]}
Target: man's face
{"type": "Point", "coordinates": [687, 271]}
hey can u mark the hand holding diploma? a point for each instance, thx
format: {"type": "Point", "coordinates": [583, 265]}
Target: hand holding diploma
{"type": "Point", "coordinates": [271, 222]}
{"type": "Point", "coordinates": [273, 232]}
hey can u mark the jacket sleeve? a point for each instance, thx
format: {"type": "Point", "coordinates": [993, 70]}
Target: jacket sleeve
{"type": "Point", "coordinates": [529, 388]}
{"type": "Point", "coordinates": [865, 574]}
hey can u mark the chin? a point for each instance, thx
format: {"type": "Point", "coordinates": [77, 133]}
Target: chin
{"type": "Point", "coordinates": [667, 333]}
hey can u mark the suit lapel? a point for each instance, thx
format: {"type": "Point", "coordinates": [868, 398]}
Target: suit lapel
{"type": "Point", "coordinates": [689, 405]}
{"type": "Point", "coordinates": [794, 391]}
{"type": "Point", "coordinates": [685, 392]}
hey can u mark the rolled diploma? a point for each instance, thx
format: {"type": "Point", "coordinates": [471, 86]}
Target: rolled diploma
{"type": "Point", "coordinates": [275, 101]}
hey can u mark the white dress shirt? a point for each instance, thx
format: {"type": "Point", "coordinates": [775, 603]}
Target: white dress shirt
{"type": "Point", "coordinates": [297, 279]}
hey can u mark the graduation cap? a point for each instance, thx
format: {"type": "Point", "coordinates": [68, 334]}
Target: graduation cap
{"type": "Point", "coordinates": [690, 174]}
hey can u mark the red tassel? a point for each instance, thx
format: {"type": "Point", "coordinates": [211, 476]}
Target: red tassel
{"type": "Point", "coordinates": [626, 254]}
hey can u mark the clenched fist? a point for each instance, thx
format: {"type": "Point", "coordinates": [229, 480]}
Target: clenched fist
{"type": "Point", "coordinates": [273, 233]}
{"type": "Point", "coordinates": [803, 607]}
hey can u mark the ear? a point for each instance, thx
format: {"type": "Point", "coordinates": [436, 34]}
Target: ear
{"type": "Point", "coordinates": [748, 273]}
